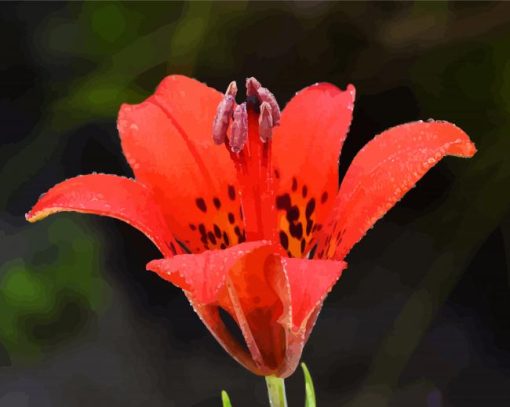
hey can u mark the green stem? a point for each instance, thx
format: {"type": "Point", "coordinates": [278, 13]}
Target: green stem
{"type": "Point", "coordinates": [276, 391]}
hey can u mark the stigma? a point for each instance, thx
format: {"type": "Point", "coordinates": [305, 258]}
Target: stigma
{"type": "Point", "coordinates": [259, 100]}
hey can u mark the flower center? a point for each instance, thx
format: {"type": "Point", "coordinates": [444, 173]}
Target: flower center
{"type": "Point", "coordinates": [246, 132]}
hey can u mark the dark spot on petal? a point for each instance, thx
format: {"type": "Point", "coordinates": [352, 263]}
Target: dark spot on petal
{"type": "Point", "coordinates": [222, 246]}
{"type": "Point", "coordinates": [237, 231]}
{"type": "Point", "coordinates": [289, 253]}
{"type": "Point", "coordinates": [294, 184]}
{"type": "Point", "coordinates": [201, 229]}
{"type": "Point", "coordinates": [324, 197]}
{"type": "Point", "coordinates": [311, 253]}
{"type": "Point", "coordinates": [277, 174]}
{"type": "Point", "coordinates": [328, 241]}
{"type": "Point", "coordinates": [293, 214]}
{"type": "Point", "coordinates": [283, 201]}
{"type": "Point", "coordinates": [296, 230]}
{"type": "Point", "coordinates": [242, 238]}
{"type": "Point", "coordinates": [217, 203]}
{"type": "Point", "coordinates": [192, 226]}
{"type": "Point", "coordinates": [217, 231]}
{"type": "Point", "coordinates": [304, 191]}
{"type": "Point", "coordinates": [303, 244]}
{"type": "Point", "coordinates": [284, 240]}
{"type": "Point", "coordinates": [184, 246]}
{"type": "Point", "coordinates": [310, 207]}
{"type": "Point", "coordinates": [231, 192]}
{"type": "Point", "coordinates": [172, 247]}
{"type": "Point", "coordinates": [309, 225]}
{"type": "Point", "coordinates": [201, 204]}
{"type": "Point", "coordinates": [211, 237]}
{"type": "Point", "coordinates": [225, 238]}
{"type": "Point", "coordinates": [231, 218]}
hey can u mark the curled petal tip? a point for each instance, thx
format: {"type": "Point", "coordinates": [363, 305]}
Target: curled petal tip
{"type": "Point", "coordinates": [239, 133]}
{"type": "Point", "coordinates": [468, 150]}
{"type": "Point", "coordinates": [351, 89]}
{"type": "Point", "coordinates": [461, 145]}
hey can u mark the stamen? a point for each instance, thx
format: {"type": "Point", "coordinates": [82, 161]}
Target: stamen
{"type": "Point", "coordinates": [239, 131]}
{"type": "Point", "coordinates": [266, 96]}
{"type": "Point", "coordinates": [224, 114]}
{"type": "Point", "coordinates": [250, 127]}
{"type": "Point", "coordinates": [252, 86]}
{"type": "Point", "coordinates": [265, 122]}
{"type": "Point", "coordinates": [232, 89]}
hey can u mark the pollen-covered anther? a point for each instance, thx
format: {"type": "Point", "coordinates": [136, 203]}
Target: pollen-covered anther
{"type": "Point", "coordinates": [252, 87]}
{"type": "Point", "coordinates": [231, 89]}
{"type": "Point", "coordinates": [265, 96]}
{"type": "Point", "coordinates": [224, 114]}
{"type": "Point", "coordinates": [255, 89]}
{"type": "Point", "coordinates": [239, 130]}
{"type": "Point", "coordinates": [265, 122]}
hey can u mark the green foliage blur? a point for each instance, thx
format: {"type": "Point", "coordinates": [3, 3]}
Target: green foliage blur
{"type": "Point", "coordinates": [46, 295]}
{"type": "Point", "coordinates": [408, 60]}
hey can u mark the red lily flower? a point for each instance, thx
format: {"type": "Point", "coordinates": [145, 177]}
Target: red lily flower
{"type": "Point", "coordinates": [237, 225]}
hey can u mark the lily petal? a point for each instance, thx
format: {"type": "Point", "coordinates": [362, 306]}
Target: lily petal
{"type": "Point", "coordinates": [113, 196]}
{"type": "Point", "coordinates": [236, 280]}
{"type": "Point", "coordinates": [310, 282]}
{"type": "Point", "coordinates": [306, 147]}
{"type": "Point", "coordinates": [381, 174]}
{"type": "Point", "coordinates": [273, 300]}
{"type": "Point", "coordinates": [203, 275]}
{"type": "Point", "coordinates": [167, 140]}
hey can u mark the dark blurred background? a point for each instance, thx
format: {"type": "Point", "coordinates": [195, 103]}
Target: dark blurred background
{"type": "Point", "coordinates": [421, 317]}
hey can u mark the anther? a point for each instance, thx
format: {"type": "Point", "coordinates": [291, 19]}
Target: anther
{"type": "Point", "coordinates": [232, 89]}
{"type": "Point", "coordinates": [252, 86]}
{"type": "Point", "coordinates": [266, 96]}
{"type": "Point", "coordinates": [224, 114]}
{"type": "Point", "coordinates": [265, 122]}
{"type": "Point", "coordinates": [239, 131]}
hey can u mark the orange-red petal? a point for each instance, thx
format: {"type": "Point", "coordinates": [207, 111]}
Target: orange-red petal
{"type": "Point", "coordinates": [381, 173]}
{"type": "Point", "coordinates": [113, 196]}
{"type": "Point", "coordinates": [235, 280]}
{"type": "Point", "coordinates": [167, 140]}
{"type": "Point", "coordinates": [310, 282]}
{"type": "Point", "coordinates": [203, 275]}
{"type": "Point", "coordinates": [306, 147]}
{"type": "Point", "coordinates": [273, 300]}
